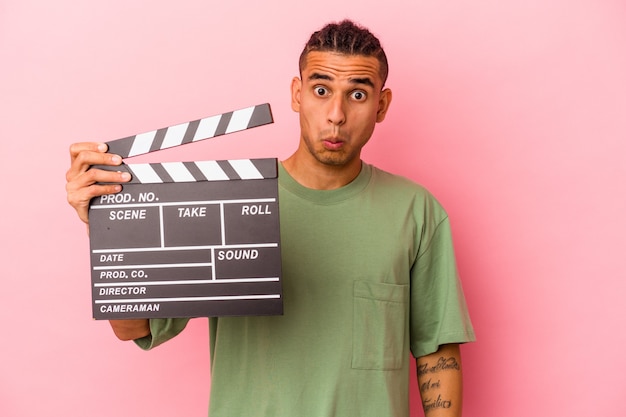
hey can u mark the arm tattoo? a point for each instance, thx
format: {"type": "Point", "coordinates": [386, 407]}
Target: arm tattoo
{"type": "Point", "coordinates": [425, 386]}
{"type": "Point", "coordinates": [442, 364]}
{"type": "Point", "coordinates": [429, 404]}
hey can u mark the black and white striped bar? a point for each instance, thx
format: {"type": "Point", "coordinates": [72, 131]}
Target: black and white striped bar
{"type": "Point", "coordinates": [197, 171]}
{"type": "Point", "coordinates": [192, 131]}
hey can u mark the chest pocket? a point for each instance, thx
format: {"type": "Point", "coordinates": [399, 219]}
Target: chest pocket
{"type": "Point", "coordinates": [379, 326]}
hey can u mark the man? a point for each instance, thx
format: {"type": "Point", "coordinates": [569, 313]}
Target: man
{"type": "Point", "coordinates": [368, 264]}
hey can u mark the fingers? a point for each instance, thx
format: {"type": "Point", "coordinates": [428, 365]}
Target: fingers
{"type": "Point", "coordinates": [79, 198]}
{"type": "Point", "coordinates": [93, 176]}
{"type": "Point", "coordinates": [77, 148]}
{"type": "Point", "coordinates": [83, 182]}
{"type": "Point", "coordinates": [86, 186]}
{"type": "Point", "coordinates": [84, 155]}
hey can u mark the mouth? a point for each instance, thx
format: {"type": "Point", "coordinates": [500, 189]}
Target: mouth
{"type": "Point", "coordinates": [333, 143]}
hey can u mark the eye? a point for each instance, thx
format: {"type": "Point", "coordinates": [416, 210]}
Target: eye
{"type": "Point", "coordinates": [320, 91]}
{"type": "Point", "coordinates": [358, 95]}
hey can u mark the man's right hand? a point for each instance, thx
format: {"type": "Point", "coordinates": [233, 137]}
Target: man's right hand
{"type": "Point", "coordinates": [81, 184]}
{"type": "Point", "coordinates": [81, 187]}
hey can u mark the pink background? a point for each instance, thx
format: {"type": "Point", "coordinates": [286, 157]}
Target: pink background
{"type": "Point", "coordinates": [513, 113]}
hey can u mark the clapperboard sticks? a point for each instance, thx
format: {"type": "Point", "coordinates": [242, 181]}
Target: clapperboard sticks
{"type": "Point", "coordinates": [194, 171]}
{"type": "Point", "coordinates": [193, 131]}
{"type": "Point", "coordinates": [189, 132]}
{"type": "Point", "coordinates": [208, 246]}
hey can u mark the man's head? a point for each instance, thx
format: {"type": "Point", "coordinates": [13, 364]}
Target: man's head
{"type": "Point", "coordinates": [347, 38]}
{"type": "Point", "coordinates": [340, 96]}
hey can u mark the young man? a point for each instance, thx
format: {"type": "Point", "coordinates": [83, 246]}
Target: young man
{"type": "Point", "coordinates": [368, 265]}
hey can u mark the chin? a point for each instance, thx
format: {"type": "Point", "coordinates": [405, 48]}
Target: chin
{"type": "Point", "coordinates": [333, 160]}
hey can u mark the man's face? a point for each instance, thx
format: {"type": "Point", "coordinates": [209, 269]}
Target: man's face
{"type": "Point", "coordinates": [339, 99]}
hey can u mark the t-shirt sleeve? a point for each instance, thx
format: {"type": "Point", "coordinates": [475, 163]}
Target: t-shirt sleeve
{"type": "Point", "coordinates": [161, 330]}
{"type": "Point", "coordinates": [438, 310]}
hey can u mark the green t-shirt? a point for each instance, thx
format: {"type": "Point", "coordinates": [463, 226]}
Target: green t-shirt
{"type": "Point", "coordinates": [368, 275]}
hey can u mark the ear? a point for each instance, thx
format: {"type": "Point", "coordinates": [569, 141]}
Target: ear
{"type": "Point", "coordinates": [296, 88]}
{"type": "Point", "coordinates": [383, 104]}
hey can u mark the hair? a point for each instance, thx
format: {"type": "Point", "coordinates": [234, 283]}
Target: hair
{"type": "Point", "coordinates": [346, 37]}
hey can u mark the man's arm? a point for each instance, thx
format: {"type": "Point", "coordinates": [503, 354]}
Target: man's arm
{"type": "Point", "coordinates": [81, 187]}
{"type": "Point", "coordinates": [130, 329]}
{"type": "Point", "coordinates": [440, 381]}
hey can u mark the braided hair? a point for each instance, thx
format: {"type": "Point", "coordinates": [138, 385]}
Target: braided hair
{"type": "Point", "coordinates": [346, 37]}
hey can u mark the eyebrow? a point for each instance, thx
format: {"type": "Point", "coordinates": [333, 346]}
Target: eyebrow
{"type": "Point", "coordinates": [364, 80]}
{"type": "Point", "coordinates": [318, 76]}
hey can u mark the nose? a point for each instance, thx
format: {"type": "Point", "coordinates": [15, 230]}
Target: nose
{"type": "Point", "coordinates": [336, 113]}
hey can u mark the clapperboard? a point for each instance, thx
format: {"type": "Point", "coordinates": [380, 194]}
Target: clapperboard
{"type": "Point", "coordinates": [188, 239]}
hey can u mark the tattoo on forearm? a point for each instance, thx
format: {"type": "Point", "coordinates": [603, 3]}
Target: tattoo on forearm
{"type": "Point", "coordinates": [425, 386]}
{"type": "Point", "coordinates": [433, 384]}
{"type": "Point", "coordinates": [429, 404]}
{"type": "Point", "coordinates": [442, 364]}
